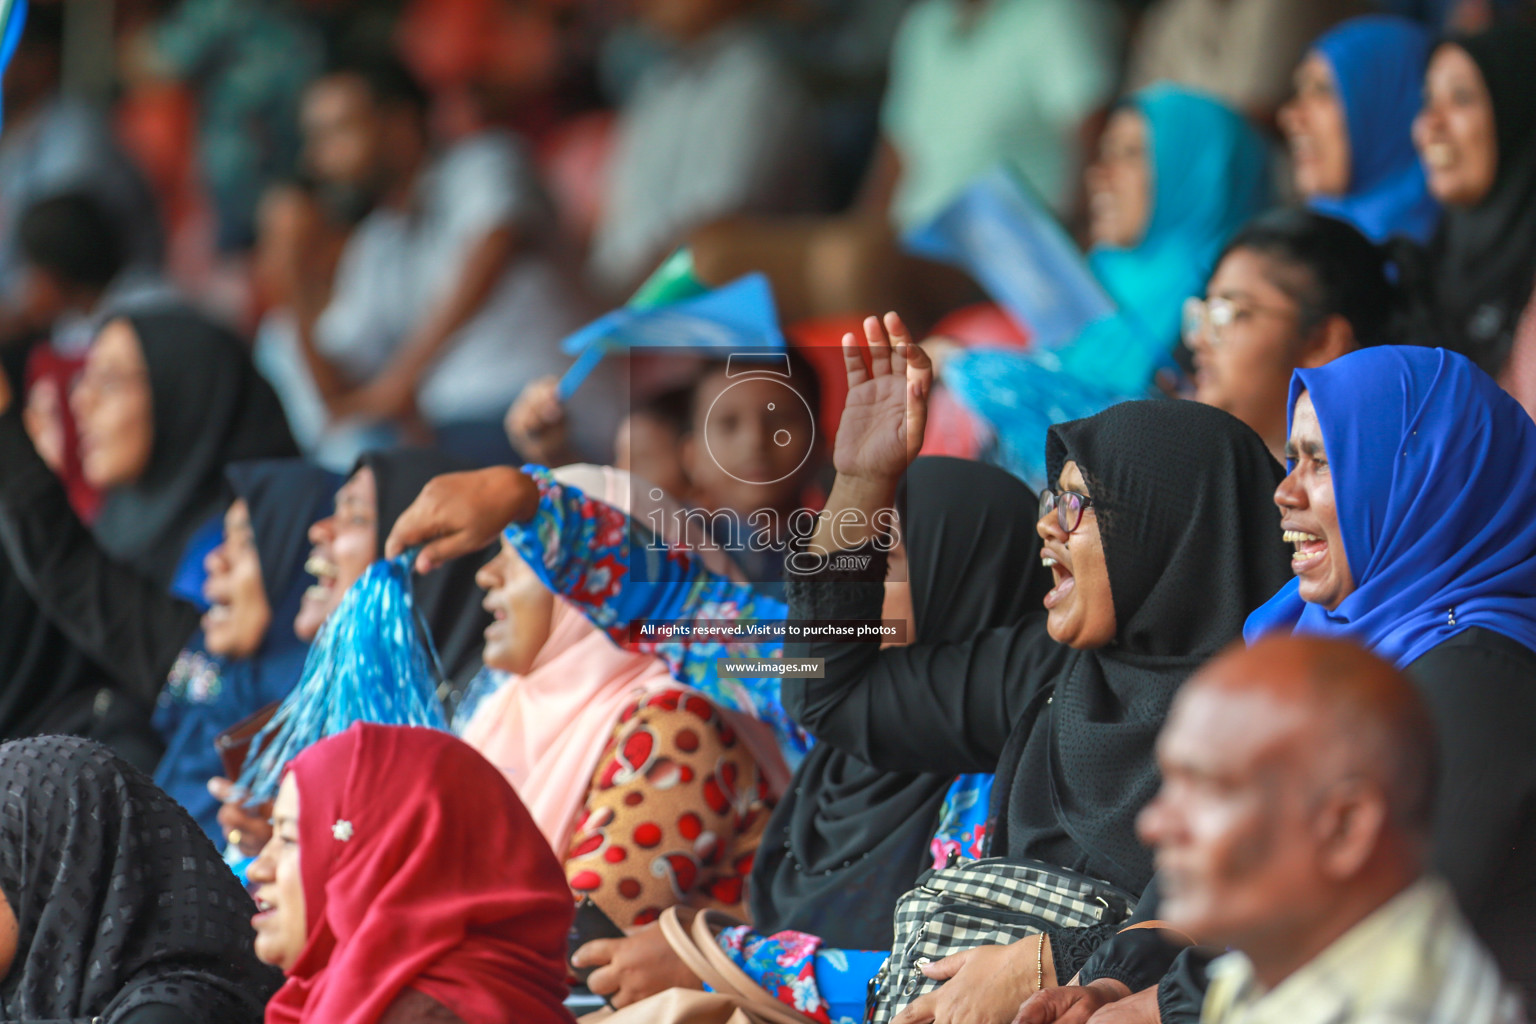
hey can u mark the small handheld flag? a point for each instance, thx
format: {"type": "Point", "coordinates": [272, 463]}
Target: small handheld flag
{"type": "Point", "coordinates": [999, 232]}
{"type": "Point", "coordinates": [672, 309]}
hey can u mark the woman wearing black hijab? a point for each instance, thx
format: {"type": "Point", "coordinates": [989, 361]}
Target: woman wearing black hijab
{"type": "Point", "coordinates": [1477, 137]}
{"type": "Point", "coordinates": [123, 911]}
{"type": "Point", "coordinates": [66, 666]}
{"type": "Point", "coordinates": [97, 611]}
{"type": "Point", "coordinates": [1161, 536]}
{"type": "Point", "coordinates": [847, 840]}
{"type": "Point", "coordinates": [448, 598]}
{"type": "Point", "coordinates": [167, 400]}
{"type": "Point", "coordinates": [233, 667]}
{"type": "Point", "coordinates": [347, 542]}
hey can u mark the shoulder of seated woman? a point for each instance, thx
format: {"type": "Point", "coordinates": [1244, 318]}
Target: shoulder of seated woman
{"type": "Point", "coordinates": [413, 1007]}
{"type": "Point", "coordinates": [1487, 648]}
{"type": "Point", "coordinates": [671, 709]}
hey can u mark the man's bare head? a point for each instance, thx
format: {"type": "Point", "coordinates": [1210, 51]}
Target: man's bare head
{"type": "Point", "coordinates": [1298, 793]}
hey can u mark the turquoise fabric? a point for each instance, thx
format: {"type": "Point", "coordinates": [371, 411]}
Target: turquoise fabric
{"type": "Point", "coordinates": [1210, 174]}
{"type": "Point", "coordinates": [843, 975]}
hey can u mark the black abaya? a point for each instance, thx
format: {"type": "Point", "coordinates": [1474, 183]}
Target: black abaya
{"type": "Point", "coordinates": [1183, 496]}
{"type": "Point", "coordinates": [847, 839]}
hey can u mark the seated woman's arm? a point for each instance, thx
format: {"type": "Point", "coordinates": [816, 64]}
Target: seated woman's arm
{"type": "Point", "coordinates": [619, 574]}
{"type": "Point", "coordinates": [942, 708]}
{"type": "Point", "coordinates": [125, 623]}
{"type": "Point", "coordinates": [580, 548]}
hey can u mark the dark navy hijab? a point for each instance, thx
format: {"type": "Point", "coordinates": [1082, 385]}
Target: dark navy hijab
{"type": "Point", "coordinates": [1434, 477]}
{"type": "Point", "coordinates": [1378, 64]}
{"type": "Point", "coordinates": [207, 694]}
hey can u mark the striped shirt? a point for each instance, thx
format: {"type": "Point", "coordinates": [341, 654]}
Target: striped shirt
{"type": "Point", "coordinates": [1412, 961]}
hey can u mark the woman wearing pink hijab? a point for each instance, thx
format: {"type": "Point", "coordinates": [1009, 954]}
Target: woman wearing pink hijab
{"type": "Point", "coordinates": [651, 793]}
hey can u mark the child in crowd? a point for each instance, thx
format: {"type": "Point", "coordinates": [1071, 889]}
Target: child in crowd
{"type": "Point", "coordinates": [740, 445]}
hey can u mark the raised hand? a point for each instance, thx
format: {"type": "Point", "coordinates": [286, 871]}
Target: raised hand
{"type": "Point", "coordinates": [536, 424]}
{"type": "Point", "coordinates": [882, 426]}
{"type": "Point", "coordinates": [460, 513]}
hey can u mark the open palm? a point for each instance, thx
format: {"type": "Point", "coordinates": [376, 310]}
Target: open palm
{"type": "Point", "coordinates": [881, 430]}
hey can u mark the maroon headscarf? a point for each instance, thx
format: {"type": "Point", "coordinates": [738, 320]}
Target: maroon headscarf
{"type": "Point", "coordinates": [421, 870]}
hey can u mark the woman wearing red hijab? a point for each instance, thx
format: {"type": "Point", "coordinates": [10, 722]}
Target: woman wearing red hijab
{"type": "Point", "coordinates": [404, 884]}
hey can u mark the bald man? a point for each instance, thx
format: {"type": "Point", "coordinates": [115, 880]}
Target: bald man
{"type": "Point", "coordinates": [1293, 826]}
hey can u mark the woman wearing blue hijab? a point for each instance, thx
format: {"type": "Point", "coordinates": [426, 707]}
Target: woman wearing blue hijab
{"type": "Point", "coordinates": [255, 583]}
{"type": "Point", "coordinates": [1350, 127]}
{"type": "Point", "coordinates": [1410, 503]}
{"type": "Point", "coordinates": [1178, 173]}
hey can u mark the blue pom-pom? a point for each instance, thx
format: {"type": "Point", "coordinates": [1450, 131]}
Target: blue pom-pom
{"type": "Point", "coordinates": [373, 661]}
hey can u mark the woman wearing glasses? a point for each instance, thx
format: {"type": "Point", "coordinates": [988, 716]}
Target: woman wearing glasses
{"type": "Point", "coordinates": [1160, 535]}
{"type": "Point", "coordinates": [1408, 505]}
{"type": "Point", "coordinates": [1294, 290]}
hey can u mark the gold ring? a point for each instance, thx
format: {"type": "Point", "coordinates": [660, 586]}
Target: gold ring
{"type": "Point", "coordinates": [234, 837]}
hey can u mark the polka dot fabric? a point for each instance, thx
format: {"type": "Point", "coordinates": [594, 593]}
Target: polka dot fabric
{"type": "Point", "coordinates": [120, 899]}
{"type": "Point", "coordinates": [674, 815]}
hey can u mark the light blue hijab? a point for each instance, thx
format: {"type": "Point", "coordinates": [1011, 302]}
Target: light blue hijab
{"type": "Point", "coordinates": [1210, 174]}
{"type": "Point", "coordinates": [1378, 64]}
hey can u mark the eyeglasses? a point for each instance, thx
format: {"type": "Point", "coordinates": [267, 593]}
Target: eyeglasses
{"type": "Point", "coordinates": [1069, 507]}
{"type": "Point", "coordinates": [1212, 317]}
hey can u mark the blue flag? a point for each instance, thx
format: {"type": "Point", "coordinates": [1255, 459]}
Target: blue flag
{"type": "Point", "coordinates": [739, 315]}
{"type": "Point", "coordinates": [1000, 233]}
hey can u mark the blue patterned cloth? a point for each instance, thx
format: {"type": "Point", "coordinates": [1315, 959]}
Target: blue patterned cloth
{"type": "Point", "coordinates": [608, 565]}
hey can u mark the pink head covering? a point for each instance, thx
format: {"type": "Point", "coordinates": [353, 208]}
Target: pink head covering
{"type": "Point", "coordinates": [546, 730]}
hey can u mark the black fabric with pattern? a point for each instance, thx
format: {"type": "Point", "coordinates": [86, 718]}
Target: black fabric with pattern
{"type": "Point", "coordinates": [121, 902]}
{"type": "Point", "coordinates": [1183, 494]}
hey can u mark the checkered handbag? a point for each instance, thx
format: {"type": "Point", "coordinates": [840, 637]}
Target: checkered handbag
{"type": "Point", "coordinates": [994, 901]}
